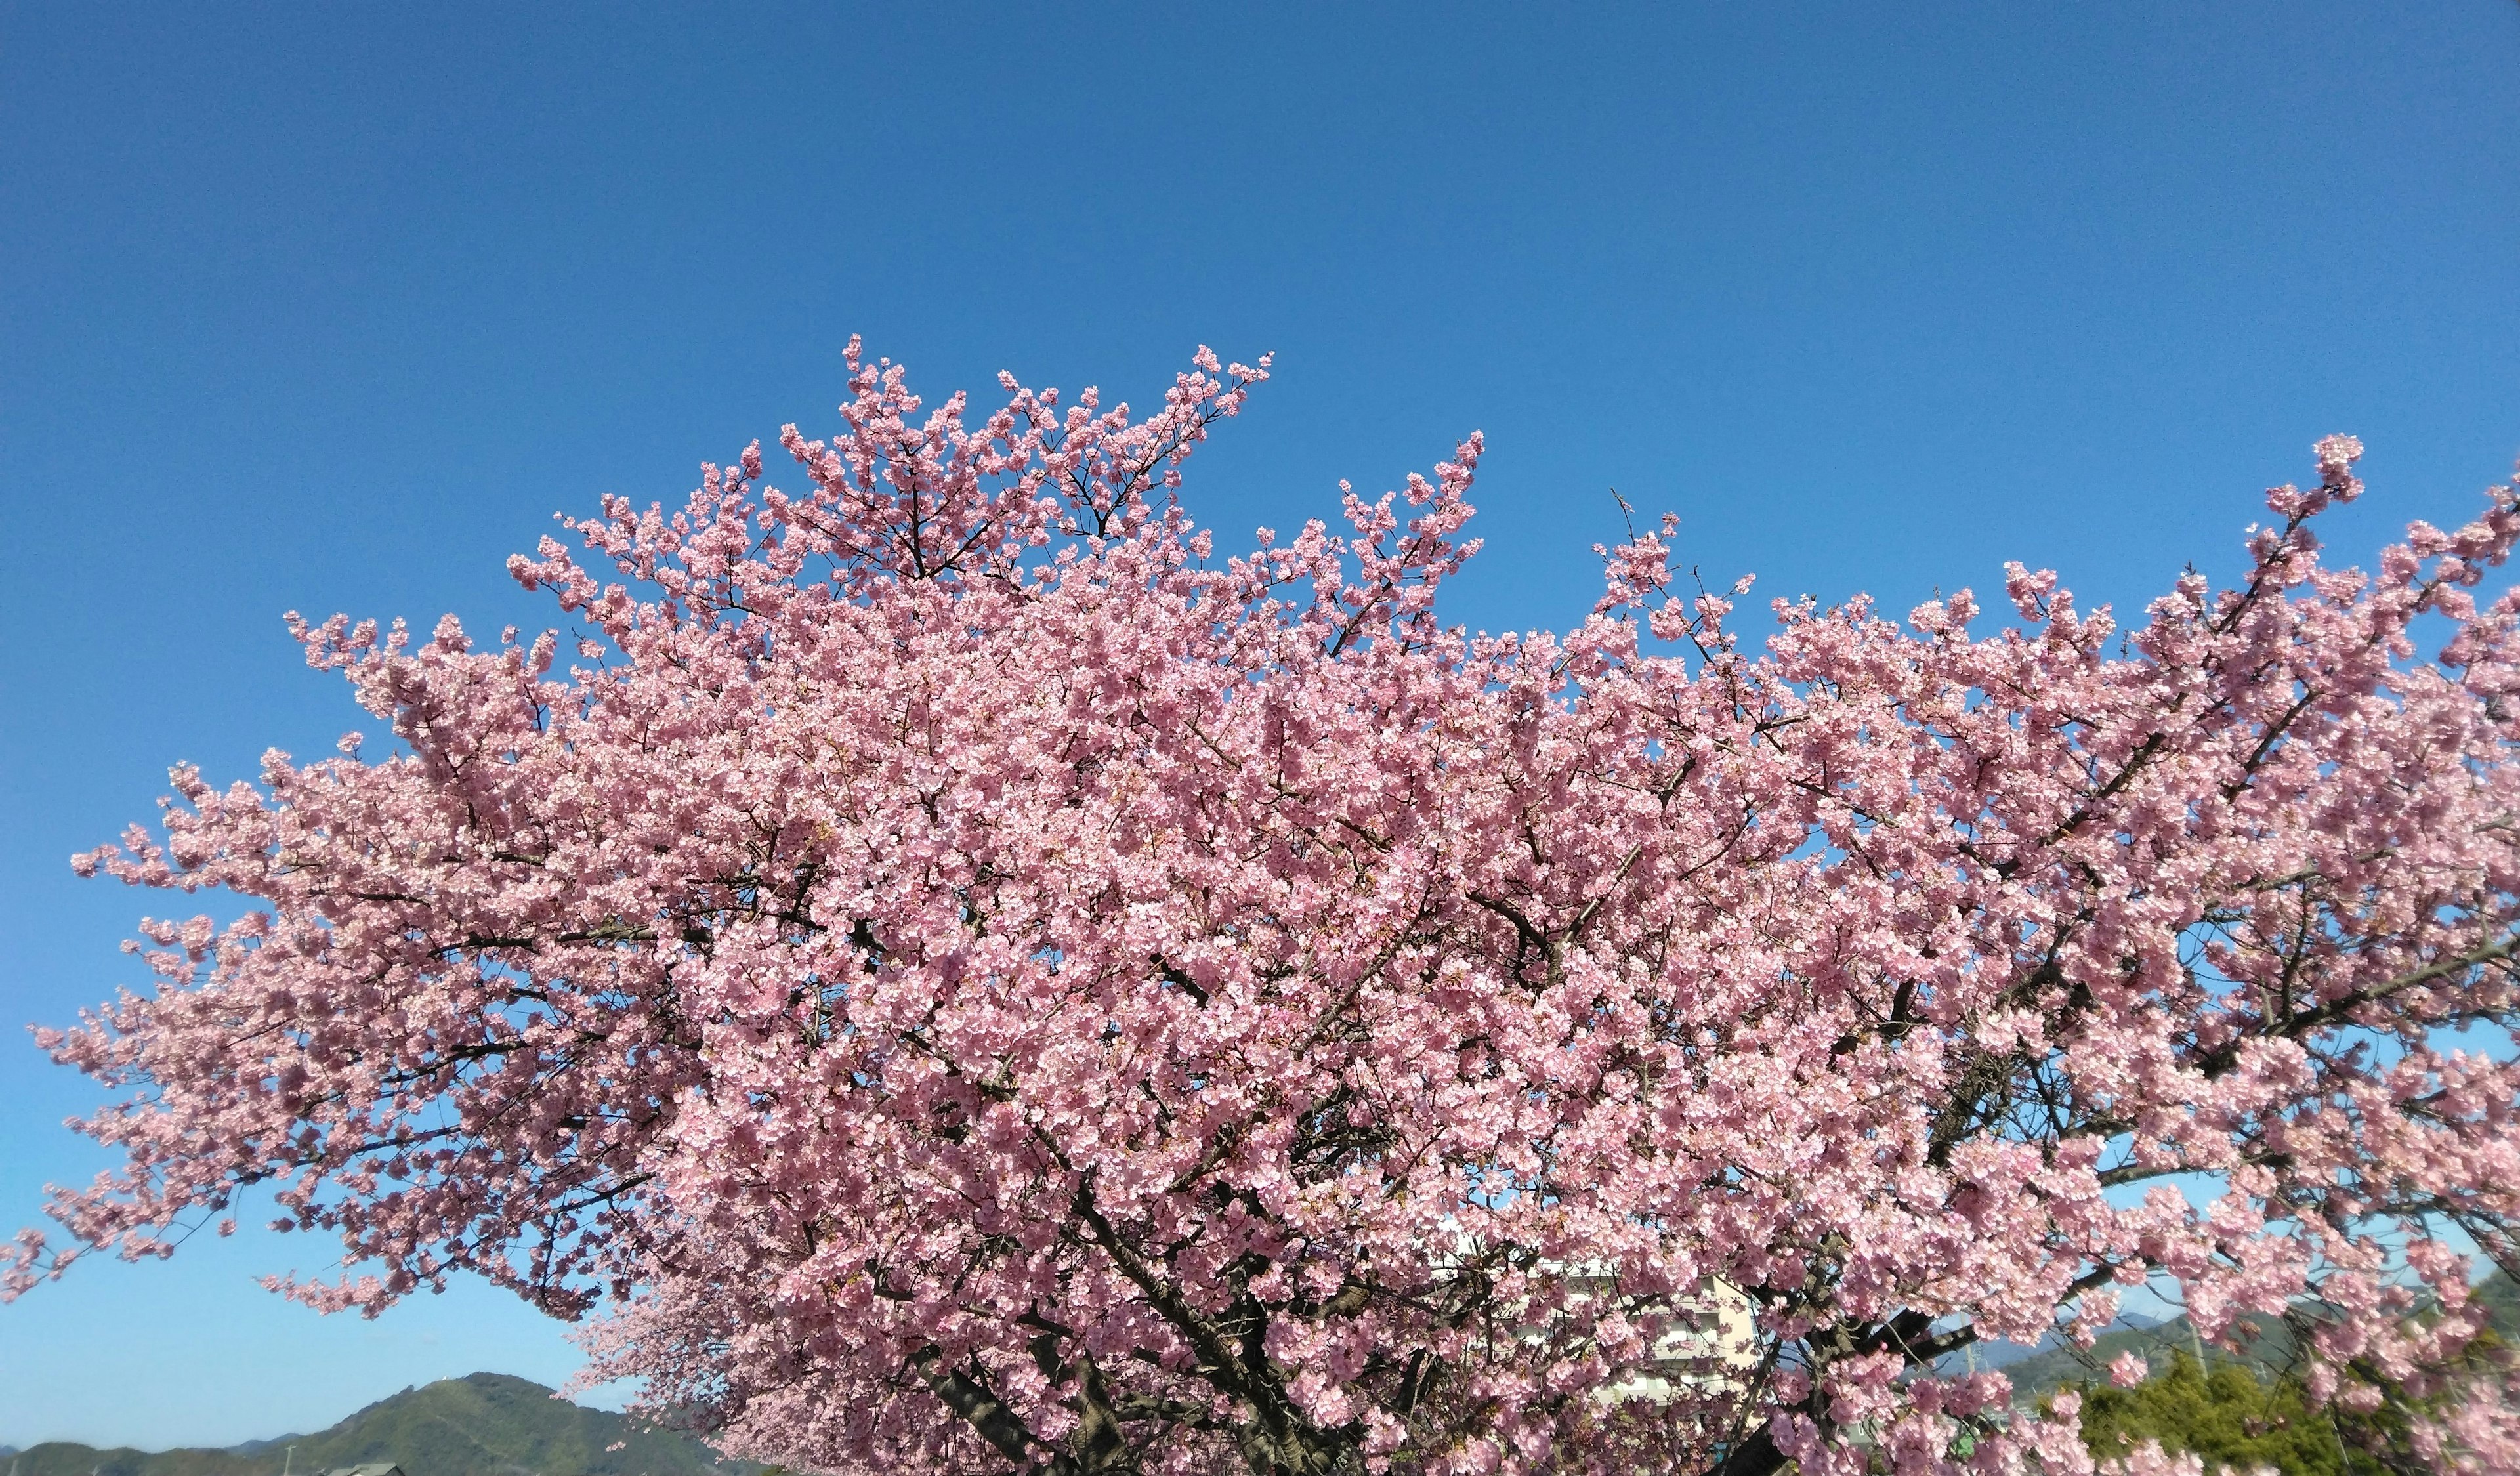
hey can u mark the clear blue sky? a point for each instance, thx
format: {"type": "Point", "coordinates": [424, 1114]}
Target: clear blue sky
{"type": "Point", "coordinates": [331, 308]}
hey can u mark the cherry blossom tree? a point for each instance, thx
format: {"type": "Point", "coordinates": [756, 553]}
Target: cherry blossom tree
{"type": "Point", "coordinates": [959, 975]}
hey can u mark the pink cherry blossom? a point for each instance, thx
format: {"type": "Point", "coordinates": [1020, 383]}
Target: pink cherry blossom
{"type": "Point", "coordinates": [960, 974]}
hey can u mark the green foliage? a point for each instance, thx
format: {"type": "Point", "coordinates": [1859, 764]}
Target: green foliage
{"type": "Point", "coordinates": [2229, 1417]}
{"type": "Point", "coordinates": [2250, 1411]}
{"type": "Point", "coordinates": [490, 1424]}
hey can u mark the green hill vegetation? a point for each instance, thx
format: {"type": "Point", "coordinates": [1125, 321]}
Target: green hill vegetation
{"type": "Point", "coordinates": [2232, 1417]}
{"type": "Point", "coordinates": [2243, 1409]}
{"type": "Point", "coordinates": [486, 1425]}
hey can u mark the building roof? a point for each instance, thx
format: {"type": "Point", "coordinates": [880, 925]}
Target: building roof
{"type": "Point", "coordinates": [370, 1469]}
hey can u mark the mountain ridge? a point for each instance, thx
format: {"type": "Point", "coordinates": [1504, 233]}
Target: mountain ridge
{"type": "Point", "coordinates": [2037, 1372]}
{"type": "Point", "coordinates": [483, 1424]}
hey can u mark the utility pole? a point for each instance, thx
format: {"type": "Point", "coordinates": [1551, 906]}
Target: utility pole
{"type": "Point", "coordinates": [287, 1458]}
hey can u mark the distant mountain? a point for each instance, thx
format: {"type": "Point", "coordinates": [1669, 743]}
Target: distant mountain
{"type": "Point", "coordinates": [2036, 1371]}
{"type": "Point", "coordinates": [2059, 1362]}
{"type": "Point", "coordinates": [486, 1425]}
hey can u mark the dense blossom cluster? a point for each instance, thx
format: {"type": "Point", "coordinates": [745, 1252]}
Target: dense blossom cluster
{"type": "Point", "coordinates": [965, 977]}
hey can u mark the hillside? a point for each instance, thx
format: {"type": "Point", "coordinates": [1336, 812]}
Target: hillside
{"type": "Point", "coordinates": [486, 1425]}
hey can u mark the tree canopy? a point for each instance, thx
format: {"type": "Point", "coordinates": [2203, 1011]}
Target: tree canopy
{"type": "Point", "coordinates": [960, 974]}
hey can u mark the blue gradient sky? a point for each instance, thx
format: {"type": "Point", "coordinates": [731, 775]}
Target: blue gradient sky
{"type": "Point", "coordinates": [330, 309]}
